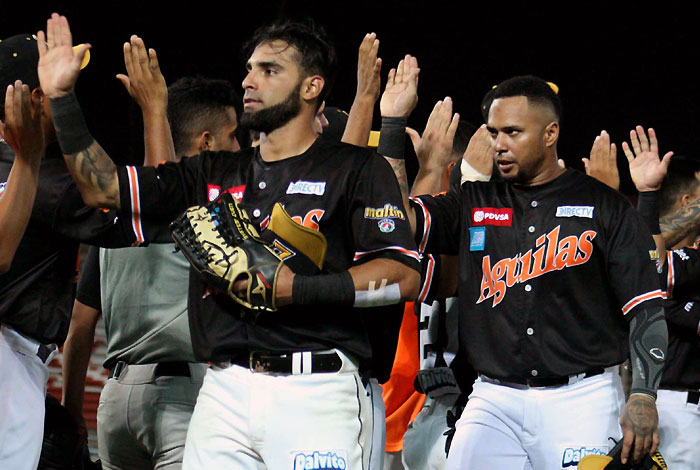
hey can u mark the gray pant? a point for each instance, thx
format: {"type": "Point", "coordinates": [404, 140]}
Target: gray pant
{"type": "Point", "coordinates": [142, 420]}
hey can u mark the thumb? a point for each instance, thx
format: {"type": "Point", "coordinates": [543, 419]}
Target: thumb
{"type": "Point", "coordinates": [586, 162]}
{"type": "Point", "coordinates": [415, 137]}
{"type": "Point", "coordinates": [125, 81]}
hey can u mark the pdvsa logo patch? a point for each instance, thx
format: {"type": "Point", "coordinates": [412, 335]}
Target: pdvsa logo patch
{"type": "Point", "coordinates": [575, 211]}
{"type": "Point", "coordinates": [307, 187]}
{"type": "Point", "coordinates": [573, 455]}
{"type": "Point", "coordinates": [214, 191]}
{"type": "Point", "coordinates": [2, 188]}
{"type": "Point", "coordinates": [492, 216]}
{"type": "Point", "coordinates": [320, 460]}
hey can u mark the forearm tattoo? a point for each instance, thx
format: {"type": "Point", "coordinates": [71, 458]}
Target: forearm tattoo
{"type": "Point", "coordinates": [648, 344]}
{"type": "Point", "coordinates": [677, 225]}
{"type": "Point", "coordinates": [399, 168]}
{"type": "Point", "coordinates": [95, 168]}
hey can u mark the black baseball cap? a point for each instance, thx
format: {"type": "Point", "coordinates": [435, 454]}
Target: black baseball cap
{"type": "Point", "coordinates": [19, 58]}
{"type": "Point", "coordinates": [18, 61]}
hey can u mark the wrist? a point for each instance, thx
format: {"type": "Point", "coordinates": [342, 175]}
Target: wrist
{"type": "Point", "coordinates": [648, 209]}
{"type": "Point", "coordinates": [333, 289]}
{"type": "Point", "coordinates": [71, 130]}
{"type": "Point", "coordinates": [364, 99]}
{"type": "Point", "coordinates": [643, 394]}
{"type": "Point", "coordinates": [392, 137]}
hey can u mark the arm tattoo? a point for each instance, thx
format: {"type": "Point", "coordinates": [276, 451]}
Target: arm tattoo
{"type": "Point", "coordinates": [93, 169]}
{"type": "Point", "coordinates": [677, 225]}
{"type": "Point", "coordinates": [399, 168]}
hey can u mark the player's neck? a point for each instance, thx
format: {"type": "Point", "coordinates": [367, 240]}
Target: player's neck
{"type": "Point", "coordinates": [290, 140]}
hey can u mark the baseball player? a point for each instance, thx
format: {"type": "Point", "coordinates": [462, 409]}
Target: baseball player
{"type": "Point", "coordinates": [285, 389]}
{"type": "Point", "coordinates": [147, 404]}
{"type": "Point", "coordinates": [679, 390]}
{"type": "Point", "coordinates": [556, 288]}
{"type": "Point", "coordinates": [36, 292]}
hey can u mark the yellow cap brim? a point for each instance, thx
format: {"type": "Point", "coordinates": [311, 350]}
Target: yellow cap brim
{"type": "Point", "coordinates": [86, 57]}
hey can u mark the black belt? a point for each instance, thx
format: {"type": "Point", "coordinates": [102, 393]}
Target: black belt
{"type": "Point", "coordinates": [545, 381]}
{"type": "Point", "coordinates": [282, 363]}
{"type": "Point", "coordinates": [163, 369]}
{"type": "Point", "coordinates": [693, 397]}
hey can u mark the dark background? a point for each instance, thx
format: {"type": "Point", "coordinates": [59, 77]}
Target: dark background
{"type": "Point", "coordinates": [617, 64]}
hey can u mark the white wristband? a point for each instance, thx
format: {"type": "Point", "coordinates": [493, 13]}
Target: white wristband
{"type": "Point", "coordinates": [471, 174]}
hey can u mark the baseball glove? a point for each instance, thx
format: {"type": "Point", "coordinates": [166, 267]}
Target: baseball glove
{"type": "Point", "coordinates": [613, 461]}
{"type": "Point", "coordinates": [224, 246]}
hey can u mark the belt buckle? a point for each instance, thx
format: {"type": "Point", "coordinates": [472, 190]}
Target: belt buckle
{"type": "Point", "coordinates": [118, 368]}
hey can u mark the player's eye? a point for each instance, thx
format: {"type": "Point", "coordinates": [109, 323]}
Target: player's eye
{"type": "Point", "coordinates": [270, 72]}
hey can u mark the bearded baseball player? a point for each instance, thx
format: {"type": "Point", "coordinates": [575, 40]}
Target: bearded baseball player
{"type": "Point", "coordinates": [285, 389]}
{"type": "Point", "coordinates": [556, 289]}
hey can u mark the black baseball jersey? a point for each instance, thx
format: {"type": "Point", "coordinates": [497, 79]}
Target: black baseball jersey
{"type": "Point", "coordinates": [36, 294]}
{"type": "Point", "coordinates": [548, 275]}
{"type": "Point", "coordinates": [681, 278]}
{"type": "Point", "coordinates": [347, 193]}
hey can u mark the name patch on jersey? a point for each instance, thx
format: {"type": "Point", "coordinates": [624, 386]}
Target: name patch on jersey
{"type": "Point", "coordinates": [477, 238]}
{"type": "Point", "coordinates": [214, 191]}
{"type": "Point", "coordinates": [680, 252]}
{"type": "Point", "coordinates": [575, 211]}
{"type": "Point", "coordinates": [492, 216]}
{"type": "Point", "coordinates": [307, 187]}
{"type": "Point", "coordinates": [2, 188]}
{"type": "Point", "coordinates": [320, 460]}
{"type": "Point", "coordinates": [573, 455]}
{"type": "Point", "coordinates": [550, 254]}
{"type": "Point", "coordinates": [386, 212]}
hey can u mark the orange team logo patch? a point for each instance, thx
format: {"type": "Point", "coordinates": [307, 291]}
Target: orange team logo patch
{"type": "Point", "coordinates": [551, 254]}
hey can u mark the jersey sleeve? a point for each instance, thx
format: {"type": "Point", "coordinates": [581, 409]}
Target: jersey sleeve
{"type": "Point", "coordinates": [438, 222]}
{"type": "Point", "coordinates": [88, 291]}
{"type": "Point", "coordinates": [380, 226]}
{"type": "Point", "coordinates": [152, 197]}
{"type": "Point", "coordinates": [631, 261]}
{"type": "Point", "coordinates": [680, 277]}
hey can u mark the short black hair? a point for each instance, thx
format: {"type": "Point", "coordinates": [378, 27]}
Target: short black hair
{"type": "Point", "coordinates": [198, 104]}
{"type": "Point", "coordinates": [680, 179]}
{"type": "Point", "coordinates": [316, 51]}
{"type": "Point", "coordinates": [535, 89]}
{"type": "Point", "coordinates": [464, 133]}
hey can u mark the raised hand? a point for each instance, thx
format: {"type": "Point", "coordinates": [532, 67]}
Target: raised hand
{"type": "Point", "coordinates": [603, 162]}
{"type": "Point", "coordinates": [59, 66]}
{"type": "Point", "coordinates": [144, 80]}
{"type": "Point", "coordinates": [480, 153]}
{"type": "Point", "coordinates": [22, 130]}
{"type": "Point", "coordinates": [369, 67]}
{"type": "Point", "coordinates": [434, 148]}
{"type": "Point", "coordinates": [646, 169]}
{"type": "Point", "coordinates": [401, 93]}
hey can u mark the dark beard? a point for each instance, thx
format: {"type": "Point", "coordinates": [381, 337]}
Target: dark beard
{"type": "Point", "coordinates": [273, 117]}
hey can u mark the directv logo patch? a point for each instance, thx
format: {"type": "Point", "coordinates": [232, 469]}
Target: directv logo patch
{"type": "Point", "coordinates": [307, 187]}
{"type": "Point", "coordinates": [575, 211]}
{"type": "Point", "coordinates": [319, 461]}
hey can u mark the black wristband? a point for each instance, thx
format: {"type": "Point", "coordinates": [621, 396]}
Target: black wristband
{"type": "Point", "coordinates": [334, 289]}
{"type": "Point", "coordinates": [392, 137]}
{"type": "Point", "coordinates": [71, 130]}
{"type": "Point", "coordinates": [648, 208]}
